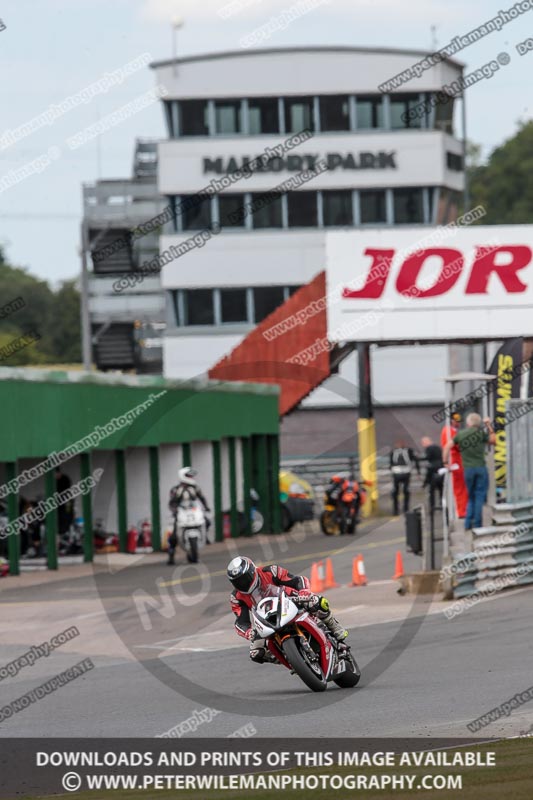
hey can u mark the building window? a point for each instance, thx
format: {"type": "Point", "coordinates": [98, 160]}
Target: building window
{"type": "Point", "coordinates": [298, 114]}
{"type": "Point", "coordinates": [231, 210]}
{"type": "Point", "coordinates": [454, 161]}
{"type": "Point", "coordinates": [263, 115]}
{"type": "Point", "coordinates": [334, 113]}
{"type": "Point", "coordinates": [199, 308]}
{"type": "Point", "coordinates": [302, 209]}
{"type": "Point", "coordinates": [373, 206]}
{"type": "Point", "coordinates": [233, 305]}
{"type": "Point", "coordinates": [266, 300]}
{"type": "Point", "coordinates": [408, 206]}
{"type": "Point", "coordinates": [228, 116]}
{"type": "Point", "coordinates": [267, 210]}
{"type": "Point", "coordinates": [193, 118]}
{"type": "Point", "coordinates": [369, 111]}
{"type": "Point", "coordinates": [444, 113]}
{"type": "Point", "coordinates": [400, 105]}
{"type": "Point", "coordinates": [337, 207]}
{"type": "Point", "coordinates": [195, 212]}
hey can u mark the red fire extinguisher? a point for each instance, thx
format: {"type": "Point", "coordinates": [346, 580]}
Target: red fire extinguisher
{"type": "Point", "coordinates": [146, 533]}
{"type": "Point", "coordinates": [133, 536]}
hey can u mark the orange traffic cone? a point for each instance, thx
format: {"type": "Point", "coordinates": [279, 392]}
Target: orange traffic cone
{"type": "Point", "coordinates": [358, 572]}
{"type": "Point", "coordinates": [329, 582]}
{"type": "Point", "coordinates": [398, 570]}
{"type": "Point", "coordinates": [317, 577]}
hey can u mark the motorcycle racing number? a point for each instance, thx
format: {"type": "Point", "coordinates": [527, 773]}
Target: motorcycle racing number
{"type": "Point", "coordinates": [505, 261]}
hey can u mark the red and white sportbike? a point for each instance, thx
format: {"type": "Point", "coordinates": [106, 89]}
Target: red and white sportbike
{"type": "Point", "coordinates": [302, 643]}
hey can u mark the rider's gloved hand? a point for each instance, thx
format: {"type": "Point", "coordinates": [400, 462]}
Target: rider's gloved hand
{"type": "Point", "coordinates": [250, 634]}
{"type": "Point", "coordinates": [307, 599]}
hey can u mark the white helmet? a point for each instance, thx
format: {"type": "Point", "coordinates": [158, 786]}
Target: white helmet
{"type": "Point", "coordinates": [187, 475]}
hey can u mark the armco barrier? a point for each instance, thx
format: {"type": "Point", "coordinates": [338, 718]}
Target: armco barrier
{"type": "Point", "coordinates": [502, 554]}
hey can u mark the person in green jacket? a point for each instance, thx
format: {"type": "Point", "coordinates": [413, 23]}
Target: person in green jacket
{"type": "Point", "coordinates": [472, 442]}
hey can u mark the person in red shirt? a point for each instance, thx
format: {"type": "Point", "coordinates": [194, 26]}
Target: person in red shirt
{"type": "Point", "coordinates": [458, 476]}
{"type": "Point", "coordinates": [250, 584]}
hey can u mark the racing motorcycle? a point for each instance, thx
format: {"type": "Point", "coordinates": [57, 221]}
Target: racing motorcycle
{"type": "Point", "coordinates": [191, 528]}
{"type": "Point", "coordinates": [302, 643]}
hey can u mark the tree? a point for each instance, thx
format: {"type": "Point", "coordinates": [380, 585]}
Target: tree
{"type": "Point", "coordinates": [504, 186]}
{"type": "Point", "coordinates": [53, 316]}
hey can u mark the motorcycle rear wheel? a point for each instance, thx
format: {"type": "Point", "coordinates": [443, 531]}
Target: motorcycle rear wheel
{"type": "Point", "coordinates": [301, 666]}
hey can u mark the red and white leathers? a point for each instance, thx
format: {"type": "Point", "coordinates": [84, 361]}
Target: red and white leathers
{"type": "Point", "coordinates": [242, 602]}
{"type": "Point", "coordinates": [297, 586]}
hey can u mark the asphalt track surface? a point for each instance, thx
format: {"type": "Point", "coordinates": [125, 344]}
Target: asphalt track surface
{"type": "Point", "coordinates": [157, 661]}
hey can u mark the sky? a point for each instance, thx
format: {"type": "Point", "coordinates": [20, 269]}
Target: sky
{"type": "Point", "coordinates": [53, 49]}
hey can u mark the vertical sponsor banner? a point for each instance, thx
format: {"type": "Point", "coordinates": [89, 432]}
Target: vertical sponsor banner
{"type": "Point", "coordinates": [506, 367]}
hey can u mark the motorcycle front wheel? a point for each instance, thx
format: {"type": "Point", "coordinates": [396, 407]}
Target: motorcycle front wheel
{"type": "Point", "coordinates": [192, 555]}
{"type": "Point", "coordinates": [302, 666]}
{"type": "Point", "coordinates": [329, 524]}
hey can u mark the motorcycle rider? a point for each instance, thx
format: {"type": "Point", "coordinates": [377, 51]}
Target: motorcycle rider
{"type": "Point", "coordinates": [349, 503]}
{"type": "Point", "coordinates": [186, 489]}
{"type": "Point", "coordinates": [249, 585]}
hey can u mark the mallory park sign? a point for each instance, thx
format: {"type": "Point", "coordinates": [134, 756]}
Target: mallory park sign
{"type": "Point", "coordinates": [292, 163]}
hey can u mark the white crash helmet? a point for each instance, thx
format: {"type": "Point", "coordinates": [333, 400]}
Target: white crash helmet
{"type": "Point", "coordinates": [187, 475]}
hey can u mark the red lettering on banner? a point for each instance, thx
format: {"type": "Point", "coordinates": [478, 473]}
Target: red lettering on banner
{"type": "Point", "coordinates": [484, 264]}
{"type": "Point", "coordinates": [377, 275]}
{"type": "Point", "coordinates": [452, 265]}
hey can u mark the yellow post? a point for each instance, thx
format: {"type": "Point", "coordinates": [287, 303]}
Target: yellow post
{"type": "Point", "coordinates": [366, 431]}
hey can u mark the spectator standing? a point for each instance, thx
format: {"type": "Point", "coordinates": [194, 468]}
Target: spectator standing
{"type": "Point", "coordinates": [471, 443]}
{"type": "Point", "coordinates": [401, 461]}
{"type": "Point", "coordinates": [460, 493]}
{"type": "Point", "coordinates": [433, 460]}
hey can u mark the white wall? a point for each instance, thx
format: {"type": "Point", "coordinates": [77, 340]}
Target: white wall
{"type": "Point", "coordinates": [104, 495]}
{"type": "Point", "coordinates": [306, 70]}
{"type": "Point", "coordinates": [192, 356]}
{"type": "Point", "coordinates": [259, 259]}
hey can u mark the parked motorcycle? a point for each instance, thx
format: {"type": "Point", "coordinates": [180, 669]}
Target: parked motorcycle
{"type": "Point", "coordinates": [302, 643]}
{"type": "Point", "coordinates": [340, 517]}
{"type": "Point", "coordinates": [191, 528]}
